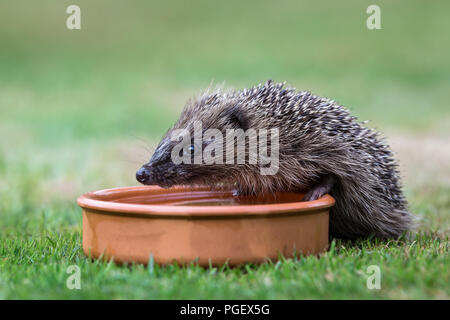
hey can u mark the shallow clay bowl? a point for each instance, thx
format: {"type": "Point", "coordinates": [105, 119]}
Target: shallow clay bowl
{"type": "Point", "coordinates": [209, 227]}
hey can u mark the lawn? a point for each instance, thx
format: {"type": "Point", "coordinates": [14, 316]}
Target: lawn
{"type": "Point", "coordinates": [81, 110]}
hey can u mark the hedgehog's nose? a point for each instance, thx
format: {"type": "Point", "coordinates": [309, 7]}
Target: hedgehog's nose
{"type": "Point", "coordinates": [142, 175]}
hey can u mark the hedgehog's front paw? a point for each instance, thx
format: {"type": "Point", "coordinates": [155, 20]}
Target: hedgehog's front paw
{"type": "Point", "coordinates": [318, 191]}
{"type": "Point", "coordinates": [241, 193]}
{"type": "Point", "coordinates": [315, 193]}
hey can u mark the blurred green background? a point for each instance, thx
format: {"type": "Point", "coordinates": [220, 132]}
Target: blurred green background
{"type": "Point", "coordinates": [82, 109]}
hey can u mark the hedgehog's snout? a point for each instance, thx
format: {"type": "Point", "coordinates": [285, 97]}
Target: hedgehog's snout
{"type": "Point", "coordinates": [143, 175]}
{"type": "Point", "coordinates": [163, 175]}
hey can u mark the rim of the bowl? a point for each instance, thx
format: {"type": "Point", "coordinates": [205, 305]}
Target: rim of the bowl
{"type": "Point", "coordinates": [87, 201]}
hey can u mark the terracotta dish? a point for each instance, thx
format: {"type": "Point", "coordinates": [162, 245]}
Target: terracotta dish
{"type": "Point", "coordinates": [210, 227]}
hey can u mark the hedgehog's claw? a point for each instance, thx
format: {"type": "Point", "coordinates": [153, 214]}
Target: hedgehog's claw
{"type": "Point", "coordinates": [323, 188]}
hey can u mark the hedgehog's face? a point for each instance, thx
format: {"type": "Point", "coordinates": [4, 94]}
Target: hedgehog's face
{"type": "Point", "coordinates": [160, 170]}
{"type": "Point", "coordinates": [166, 170]}
{"type": "Point", "coordinates": [181, 158]}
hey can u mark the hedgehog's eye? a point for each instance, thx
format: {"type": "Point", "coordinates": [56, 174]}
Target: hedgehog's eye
{"type": "Point", "coordinates": [190, 148]}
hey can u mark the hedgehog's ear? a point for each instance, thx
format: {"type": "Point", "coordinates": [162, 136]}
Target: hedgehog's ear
{"type": "Point", "coordinates": [237, 117]}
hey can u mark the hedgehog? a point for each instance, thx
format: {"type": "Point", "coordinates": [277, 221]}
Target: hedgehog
{"type": "Point", "coordinates": [323, 149]}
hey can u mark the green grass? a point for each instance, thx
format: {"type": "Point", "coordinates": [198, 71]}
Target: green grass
{"type": "Point", "coordinates": [80, 109]}
{"type": "Point", "coordinates": [414, 270]}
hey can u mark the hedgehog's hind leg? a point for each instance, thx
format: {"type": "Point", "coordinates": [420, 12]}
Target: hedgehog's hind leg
{"type": "Point", "coordinates": [324, 187]}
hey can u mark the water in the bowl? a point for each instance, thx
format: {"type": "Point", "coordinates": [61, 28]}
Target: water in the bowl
{"type": "Point", "coordinates": [209, 202]}
{"type": "Point", "coordinates": [202, 198]}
